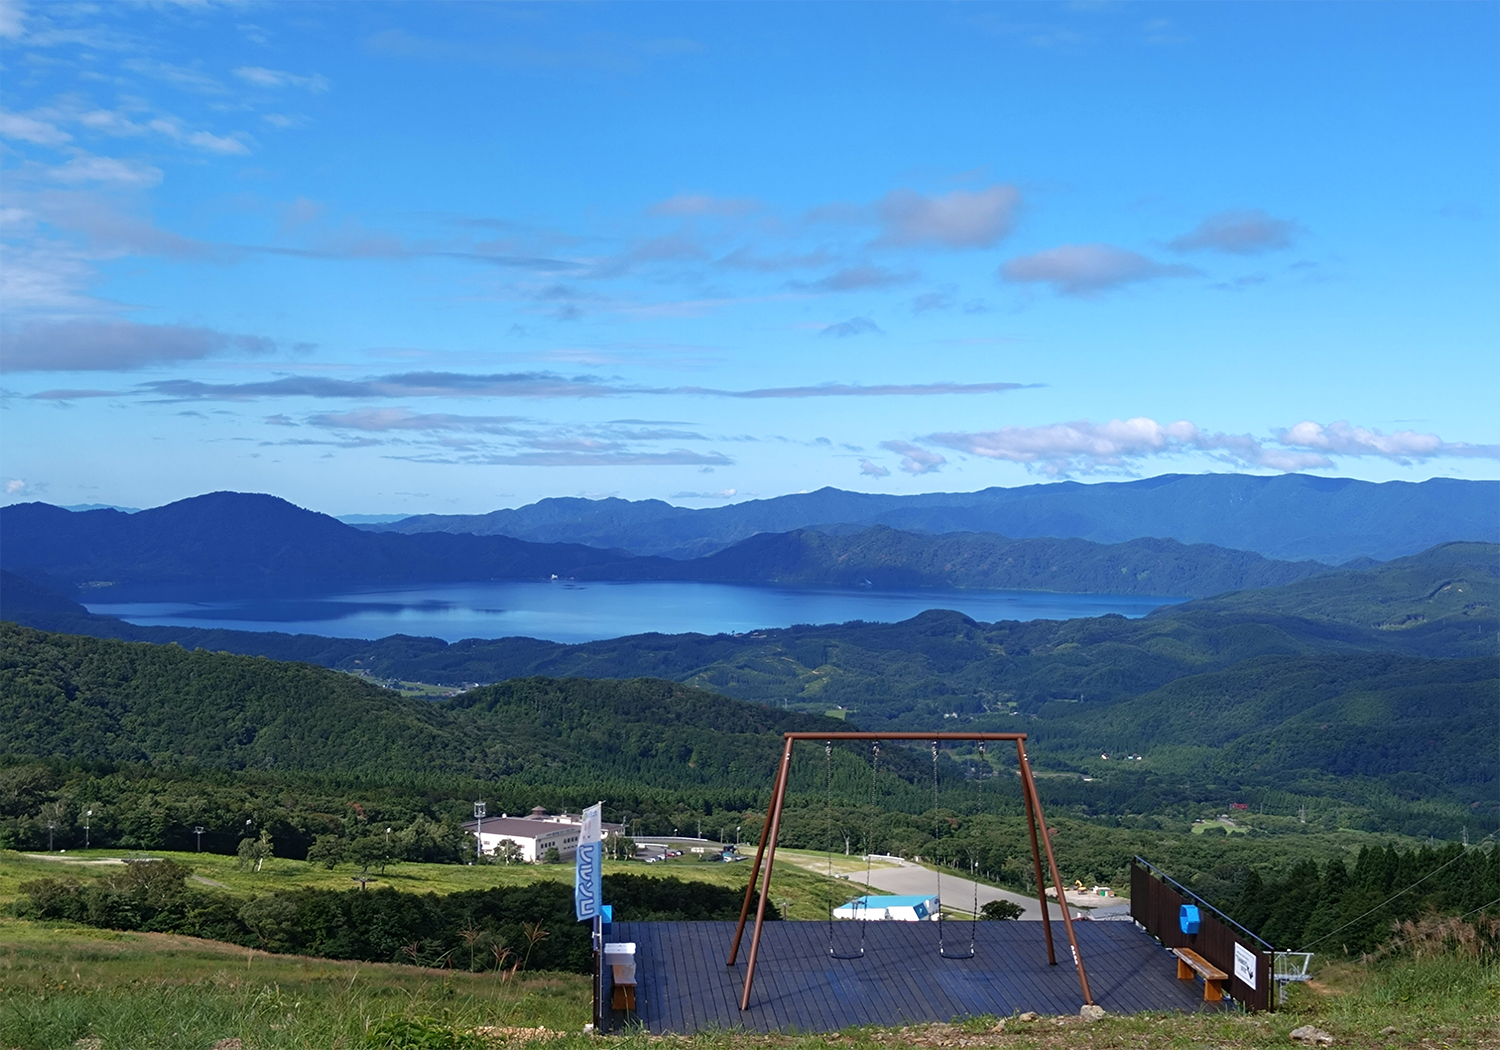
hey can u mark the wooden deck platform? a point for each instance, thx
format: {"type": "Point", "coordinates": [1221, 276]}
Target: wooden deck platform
{"type": "Point", "coordinates": [684, 987]}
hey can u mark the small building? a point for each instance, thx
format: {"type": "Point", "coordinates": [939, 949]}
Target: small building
{"type": "Point", "coordinates": [534, 834]}
{"type": "Point", "coordinates": [915, 908]}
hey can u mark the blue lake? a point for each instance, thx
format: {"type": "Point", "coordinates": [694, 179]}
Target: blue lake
{"type": "Point", "coordinates": [568, 611]}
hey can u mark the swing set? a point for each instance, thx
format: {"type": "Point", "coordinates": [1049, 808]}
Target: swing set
{"type": "Point", "coordinates": [1036, 823]}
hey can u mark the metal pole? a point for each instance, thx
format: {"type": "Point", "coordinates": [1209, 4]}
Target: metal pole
{"type": "Point", "coordinates": [765, 828]}
{"type": "Point", "coordinates": [598, 939]}
{"type": "Point", "coordinates": [1032, 806]}
{"type": "Point", "coordinates": [765, 895]}
{"type": "Point", "coordinates": [1062, 899]}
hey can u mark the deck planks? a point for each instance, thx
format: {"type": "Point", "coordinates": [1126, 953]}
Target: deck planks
{"type": "Point", "coordinates": [684, 986]}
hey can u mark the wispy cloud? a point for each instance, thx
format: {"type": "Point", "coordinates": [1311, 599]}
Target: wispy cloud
{"type": "Point", "coordinates": [873, 470]}
{"type": "Point", "coordinates": [85, 167]}
{"type": "Point", "coordinates": [856, 390]}
{"type": "Point", "coordinates": [403, 419]}
{"type": "Point", "coordinates": [409, 384]}
{"type": "Point", "coordinates": [88, 346]}
{"type": "Point", "coordinates": [914, 458]}
{"type": "Point", "coordinates": [1088, 269]}
{"type": "Point", "coordinates": [721, 494]}
{"type": "Point", "coordinates": [29, 129]}
{"type": "Point", "coordinates": [1083, 447]}
{"type": "Point", "coordinates": [1248, 232]}
{"type": "Point", "coordinates": [612, 54]}
{"type": "Point", "coordinates": [674, 458]}
{"type": "Point", "coordinates": [852, 327]}
{"type": "Point", "coordinates": [539, 385]}
{"type": "Point", "coordinates": [855, 279]}
{"type": "Point", "coordinates": [277, 78]}
{"type": "Point", "coordinates": [696, 205]}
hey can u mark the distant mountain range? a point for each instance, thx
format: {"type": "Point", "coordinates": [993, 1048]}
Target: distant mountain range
{"type": "Point", "coordinates": [1289, 517]}
{"type": "Point", "coordinates": [240, 542]}
{"type": "Point", "coordinates": [232, 542]}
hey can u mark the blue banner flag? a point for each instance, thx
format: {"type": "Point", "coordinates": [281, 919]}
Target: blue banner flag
{"type": "Point", "coordinates": [587, 892]}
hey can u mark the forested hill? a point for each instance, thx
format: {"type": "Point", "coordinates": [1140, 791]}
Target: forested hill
{"type": "Point", "coordinates": [1450, 584]}
{"type": "Point", "coordinates": [888, 558]}
{"type": "Point", "coordinates": [229, 542]}
{"type": "Point", "coordinates": [70, 697]}
{"type": "Point", "coordinates": [1290, 516]}
{"type": "Point", "coordinates": [1438, 604]}
{"type": "Point", "coordinates": [245, 541]}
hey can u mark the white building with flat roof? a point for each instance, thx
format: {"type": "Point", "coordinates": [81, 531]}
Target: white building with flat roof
{"type": "Point", "coordinates": [534, 834]}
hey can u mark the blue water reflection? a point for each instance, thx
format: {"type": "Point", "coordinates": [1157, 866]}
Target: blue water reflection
{"type": "Point", "coordinates": [569, 611]}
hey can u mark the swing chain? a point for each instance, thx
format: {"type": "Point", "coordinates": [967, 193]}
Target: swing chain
{"type": "Point", "coordinates": [832, 951]}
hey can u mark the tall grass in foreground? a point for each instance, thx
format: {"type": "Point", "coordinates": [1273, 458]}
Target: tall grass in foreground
{"type": "Point", "coordinates": [59, 985]}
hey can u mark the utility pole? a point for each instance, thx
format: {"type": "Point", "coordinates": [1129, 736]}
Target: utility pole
{"type": "Point", "coordinates": [479, 808]}
{"type": "Point", "coordinates": [198, 831]}
{"type": "Point", "coordinates": [51, 826]}
{"type": "Point", "coordinates": [88, 818]}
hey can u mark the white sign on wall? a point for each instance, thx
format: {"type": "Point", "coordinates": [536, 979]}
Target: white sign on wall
{"type": "Point", "coordinates": [1244, 964]}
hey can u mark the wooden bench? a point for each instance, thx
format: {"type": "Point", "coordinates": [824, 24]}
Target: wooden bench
{"type": "Point", "coordinates": [1190, 964]}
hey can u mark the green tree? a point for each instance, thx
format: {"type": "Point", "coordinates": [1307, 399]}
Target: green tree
{"type": "Point", "coordinates": [327, 850]}
{"type": "Point", "coordinates": [253, 853]}
{"type": "Point", "coordinates": [1001, 909]}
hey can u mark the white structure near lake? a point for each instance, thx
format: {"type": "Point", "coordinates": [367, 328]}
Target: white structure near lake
{"type": "Point", "coordinates": [915, 908]}
{"type": "Point", "coordinates": [534, 834]}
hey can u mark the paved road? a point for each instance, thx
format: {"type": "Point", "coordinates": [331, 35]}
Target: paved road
{"type": "Point", "coordinates": [909, 878]}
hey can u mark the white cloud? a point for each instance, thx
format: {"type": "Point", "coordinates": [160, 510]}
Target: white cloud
{"type": "Point", "coordinates": [12, 19]}
{"type": "Point", "coordinates": [1247, 232]}
{"type": "Point", "coordinates": [1088, 269]}
{"type": "Point", "coordinates": [914, 458]}
{"type": "Point", "coordinates": [1343, 439]}
{"type": "Point", "coordinates": [29, 129]}
{"type": "Point", "coordinates": [276, 78]}
{"type": "Point", "coordinates": [46, 277]}
{"type": "Point", "coordinates": [85, 167]}
{"type": "Point", "coordinates": [960, 219]}
{"type": "Point", "coordinates": [873, 470]}
{"type": "Point", "coordinates": [1083, 447]}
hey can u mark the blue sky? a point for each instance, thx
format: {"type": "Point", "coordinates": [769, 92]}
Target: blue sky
{"type": "Point", "coordinates": [428, 257]}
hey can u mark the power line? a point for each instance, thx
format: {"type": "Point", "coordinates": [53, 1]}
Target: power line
{"type": "Point", "coordinates": [1456, 858]}
{"type": "Point", "coordinates": [1481, 908]}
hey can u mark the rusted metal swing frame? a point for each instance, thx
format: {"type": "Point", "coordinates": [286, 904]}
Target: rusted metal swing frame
{"type": "Point", "coordinates": [1034, 819]}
